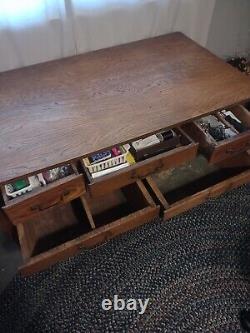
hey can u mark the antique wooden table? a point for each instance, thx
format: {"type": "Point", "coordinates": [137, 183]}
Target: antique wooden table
{"type": "Point", "coordinates": [58, 112]}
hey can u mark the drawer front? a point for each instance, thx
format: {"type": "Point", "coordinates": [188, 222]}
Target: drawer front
{"type": "Point", "coordinates": [55, 194]}
{"type": "Point", "coordinates": [93, 238]}
{"type": "Point", "coordinates": [186, 204]}
{"type": "Point", "coordinates": [230, 148]}
{"type": "Point", "coordinates": [142, 209]}
{"type": "Point", "coordinates": [142, 169]}
{"type": "Point", "coordinates": [202, 196]}
{"type": "Point", "coordinates": [218, 152]}
{"type": "Point", "coordinates": [191, 201]}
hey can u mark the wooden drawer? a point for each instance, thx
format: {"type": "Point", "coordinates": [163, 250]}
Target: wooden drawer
{"type": "Point", "coordinates": [195, 193]}
{"type": "Point", "coordinates": [185, 152]}
{"type": "Point", "coordinates": [27, 206]}
{"type": "Point", "coordinates": [222, 150]}
{"type": "Point", "coordinates": [111, 215]}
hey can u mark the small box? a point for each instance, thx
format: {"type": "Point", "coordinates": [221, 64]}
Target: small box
{"type": "Point", "coordinates": [162, 146]}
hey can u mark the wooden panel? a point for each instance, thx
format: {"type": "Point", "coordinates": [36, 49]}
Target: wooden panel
{"type": "Point", "coordinates": [5, 225]}
{"type": "Point", "coordinates": [89, 240]}
{"type": "Point", "coordinates": [27, 239]}
{"type": "Point", "coordinates": [61, 110]}
{"type": "Point", "coordinates": [231, 147]}
{"type": "Point", "coordinates": [218, 151]}
{"type": "Point", "coordinates": [52, 227]}
{"type": "Point", "coordinates": [141, 209]}
{"type": "Point", "coordinates": [188, 202]}
{"type": "Point", "coordinates": [211, 192]}
{"type": "Point", "coordinates": [243, 114]}
{"type": "Point", "coordinates": [142, 169]}
{"type": "Point", "coordinates": [58, 193]}
{"type": "Point", "coordinates": [242, 160]}
{"type": "Point", "coordinates": [156, 193]}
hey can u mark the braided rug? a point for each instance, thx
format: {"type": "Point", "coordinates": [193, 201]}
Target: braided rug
{"type": "Point", "coordinates": [194, 268]}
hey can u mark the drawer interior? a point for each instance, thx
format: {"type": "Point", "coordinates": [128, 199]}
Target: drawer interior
{"type": "Point", "coordinates": [191, 194]}
{"type": "Point", "coordinates": [216, 146]}
{"type": "Point", "coordinates": [239, 111]}
{"type": "Point", "coordinates": [242, 114]}
{"type": "Point", "coordinates": [184, 141]}
{"type": "Point", "coordinates": [119, 203]}
{"type": "Point", "coordinates": [201, 184]}
{"type": "Point", "coordinates": [53, 227]}
{"type": "Point", "coordinates": [61, 224]}
{"type": "Point", "coordinates": [206, 137]}
{"type": "Point", "coordinates": [35, 184]}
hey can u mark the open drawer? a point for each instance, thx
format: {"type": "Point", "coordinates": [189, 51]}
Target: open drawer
{"type": "Point", "coordinates": [186, 151]}
{"type": "Point", "coordinates": [110, 215]}
{"type": "Point", "coordinates": [217, 151]}
{"type": "Point", "coordinates": [195, 193]}
{"type": "Point", "coordinates": [30, 204]}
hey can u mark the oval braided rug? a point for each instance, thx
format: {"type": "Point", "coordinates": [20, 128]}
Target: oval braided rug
{"type": "Point", "coordinates": [194, 268]}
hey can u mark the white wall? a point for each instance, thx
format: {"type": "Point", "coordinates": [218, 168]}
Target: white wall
{"type": "Point", "coordinates": [38, 31]}
{"type": "Point", "coordinates": [229, 33]}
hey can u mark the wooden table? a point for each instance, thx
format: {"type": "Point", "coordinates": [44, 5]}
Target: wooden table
{"type": "Point", "coordinates": [65, 109]}
{"type": "Point", "coordinates": [61, 111]}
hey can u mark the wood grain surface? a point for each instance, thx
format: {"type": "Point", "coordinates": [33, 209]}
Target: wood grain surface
{"type": "Point", "coordinates": [61, 110]}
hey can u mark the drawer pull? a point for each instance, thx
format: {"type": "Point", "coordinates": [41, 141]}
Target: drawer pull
{"type": "Point", "coordinates": [34, 208]}
{"type": "Point", "coordinates": [39, 208]}
{"type": "Point", "coordinates": [238, 151]}
{"type": "Point", "coordinates": [65, 193]}
{"type": "Point", "coordinates": [157, 168]}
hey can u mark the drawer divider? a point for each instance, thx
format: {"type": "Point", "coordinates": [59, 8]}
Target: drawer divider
{"type": "Point", "coordinates": [153, 188]}
{"type": "Point", "coordinates": [145, 193]}
{"type": "Point", "coordinates": [88, 212]}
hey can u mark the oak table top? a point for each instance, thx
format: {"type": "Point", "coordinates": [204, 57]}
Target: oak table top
{"type": "Point", "coordinates": [61, 110]}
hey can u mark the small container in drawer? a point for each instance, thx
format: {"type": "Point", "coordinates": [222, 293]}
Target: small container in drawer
{"type": "Point", "coordinates": [30, 204]}
{"type": "Point", "coordinates": [195, 193]}
{"type": "Point", "coordinates": [186, 151]}
{"type": "Point", "coordinates": [110, 215]}
{"type": "Point", "coordinates": [218, 151]}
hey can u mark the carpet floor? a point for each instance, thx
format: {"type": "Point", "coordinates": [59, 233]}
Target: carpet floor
{"type": "Point", "coordinates": [194, 269]}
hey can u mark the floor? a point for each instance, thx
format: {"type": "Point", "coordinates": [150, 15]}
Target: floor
{"type": "Point", "coordinates": [191, 284]}
{"type": "Point", "coordinates": [10, 257]}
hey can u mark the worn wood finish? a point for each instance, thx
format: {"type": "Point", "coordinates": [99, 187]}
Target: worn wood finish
{"type": "Point", "coordinates": [31, 204]}
{"type": "Point", "coordinates": [50, 228]}
{"type": "Point", "coordinates": [61, 110]}
{"type": "Point", "coordinates": [88, 212]}
{"type": "Point", "coordinates": [27, 239]}
{"type": "Point", "coordinates": [216, 152]}
{"type": "Point", "coordinates": [144, 212]}
{"type": "Point", "coordinates": [180, 206]}
{"type": "Point", "coordinates": [211, 192]}
{"type": "Point", "coordinates": [242, 160]}
{"type": "Point", "coordinates": [243, 114]}
{"type": "Point", "coordinates": [93, 238]}
{"type": "Point", "coordinates": [124, 201]}
{"type": "Point", "coordinates": [231, 147]}
{"type": "Point", "coordinates": [156, 193]}
{"type": "Point", "coordinates": [142, 169]}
